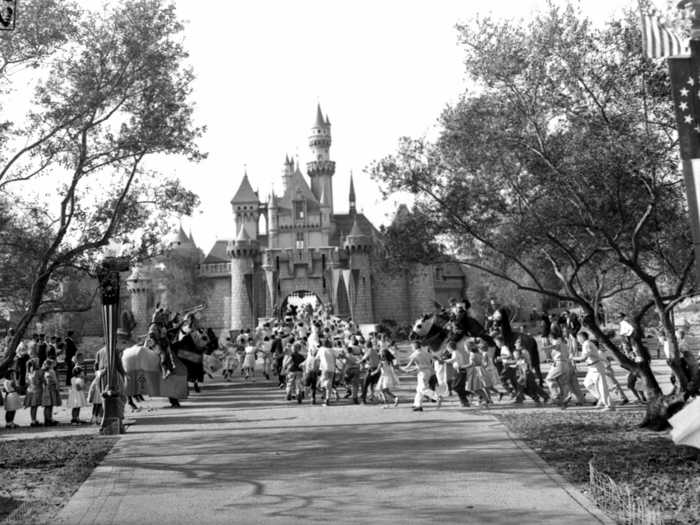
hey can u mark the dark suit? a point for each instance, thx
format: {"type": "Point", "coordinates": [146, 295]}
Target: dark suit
{"type": "Point", "coordinates": [71, 350]}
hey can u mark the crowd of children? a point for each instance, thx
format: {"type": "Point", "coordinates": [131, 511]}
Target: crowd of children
{"type": "Point", "coordinates": [40, 388]}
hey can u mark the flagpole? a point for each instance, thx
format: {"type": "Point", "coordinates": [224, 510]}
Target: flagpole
{"type": "Point", "coordinates": [688, 142]}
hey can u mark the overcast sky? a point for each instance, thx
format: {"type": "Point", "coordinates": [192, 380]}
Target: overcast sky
{"type": "Point", "coordinates": [380, 69]}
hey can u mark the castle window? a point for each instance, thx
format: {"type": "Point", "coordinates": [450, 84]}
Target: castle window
{"type": "Point", "coordinates": [299, 210]}
{"type": "Point", "coordinates": [300, 240]}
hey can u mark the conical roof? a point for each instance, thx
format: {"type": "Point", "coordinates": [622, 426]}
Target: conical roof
{"type": "Point", "coordinates": [352, 190]}
{"type": "Point", "coordinates": [356, 231]}
{"type": "Point", "coordinates": [320, 121]}
{"type": "Point", "coordinates": [182, 237]}
{"type": "Point", "coordinates": [245, 193]}
{"type": "Point", "coordinates": [402, 214]}
{"type": "Point", "coordinates": [243, 235]}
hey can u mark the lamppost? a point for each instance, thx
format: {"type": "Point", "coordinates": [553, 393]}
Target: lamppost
{"type": "Point", "coordinates": [108, 277]}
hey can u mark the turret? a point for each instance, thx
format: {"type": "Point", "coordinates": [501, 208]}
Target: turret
{"type": "Point", "coordinates": [356, 241]}
{"type": "Point", "coordinates": [140, 287]}
{"type": "Point", "coordinates": [359, 247]}
{"type": "Point", "coordinates": [243, 251]}
{"type": "Point", "coordinates": [321, 168]}
{"type": "Point", "coordinates": [246, 208]}
{"type": "Point", "coordinates": [287, 172]}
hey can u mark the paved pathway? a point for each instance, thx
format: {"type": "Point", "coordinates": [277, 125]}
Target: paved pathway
{"type": "Point", "coordinates": [238, 453]}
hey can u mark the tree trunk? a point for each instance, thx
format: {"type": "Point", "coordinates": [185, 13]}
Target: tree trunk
{"type": "Point", "coordinates": [37, 294]}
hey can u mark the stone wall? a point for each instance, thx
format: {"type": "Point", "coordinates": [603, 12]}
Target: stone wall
{"type": "Point", "coordinates": [390, 297]}
{"type": "Point", "coordinates": [218, 312]}
{"type": "Point", "coordinates": [421, 290]}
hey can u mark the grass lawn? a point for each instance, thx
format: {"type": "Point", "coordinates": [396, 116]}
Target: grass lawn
{"type": "Point", "coordinates": [666, 476]}
{"type": "Point", "coordinates": [39, 475]}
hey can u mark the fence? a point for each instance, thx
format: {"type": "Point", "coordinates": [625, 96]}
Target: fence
{"type": "Point", "coordinates": [619, 503]}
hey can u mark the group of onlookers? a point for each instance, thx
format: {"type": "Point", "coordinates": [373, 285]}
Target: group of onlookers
{"type": "Point", "coordinates": [32, 381]}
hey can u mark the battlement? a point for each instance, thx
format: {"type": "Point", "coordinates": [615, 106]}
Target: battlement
{"type": "Point", "coordinates": [214, 270]}
{"type": "Point", "coordinates": [242, 248]}
{"type": "Point", "coordinates": [320, 167]}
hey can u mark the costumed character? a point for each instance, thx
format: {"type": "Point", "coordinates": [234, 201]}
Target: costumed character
{"type": "Point", "coordinates": [501, 323]}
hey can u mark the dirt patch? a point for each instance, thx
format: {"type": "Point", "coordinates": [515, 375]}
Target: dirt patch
{"type": "Point", "coordinates": [40, 475]}
{"type": "Point", "coordinates": [666, 476]}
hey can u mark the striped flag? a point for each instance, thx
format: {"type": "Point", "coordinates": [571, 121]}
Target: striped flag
{"type": "Point", "coordinates": [659, 41]}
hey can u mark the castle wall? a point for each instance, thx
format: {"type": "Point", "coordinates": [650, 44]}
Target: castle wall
{"type": "Point", "coordinates": [218, 312]}
{"type": "Point", "coordinates": [421, 290]}
{"type": "Point", "coordinates": [390, 297]}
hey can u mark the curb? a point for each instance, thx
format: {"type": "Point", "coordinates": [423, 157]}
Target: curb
{"type": "Point", "coordinates": [584, 502]}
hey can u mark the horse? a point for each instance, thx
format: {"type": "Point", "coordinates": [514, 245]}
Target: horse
{"type": "Point", "coordinates": [190, 348]}
{"type": "Point", "coordinates": [143, 372]}
{"type": "Point", "coordinates": [501, 324]}
{"type": "Point", "coordinates": [434, 329]}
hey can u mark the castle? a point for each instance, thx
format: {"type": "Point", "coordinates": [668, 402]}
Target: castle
{"type": "Point", "coordinates": [305, 249]}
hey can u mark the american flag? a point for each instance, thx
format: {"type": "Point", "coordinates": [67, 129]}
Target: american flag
{"type": "Point", "coordinates": [686, 100]}
{"type": "Point", "coordinates": [659, 41]}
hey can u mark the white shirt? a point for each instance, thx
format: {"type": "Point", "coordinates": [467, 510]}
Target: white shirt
{"type": "Point", "coordinates": [326, 358]}
{"type": "Point", "coordinates": [626, 329]}
{"type": "Point", "coordinates": [422, 360]}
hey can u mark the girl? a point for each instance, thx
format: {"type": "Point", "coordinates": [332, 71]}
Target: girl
{"type": "Point", "coordinates": [231, 362]}
{"type": "Point", "coordinates": [388, 378]}
{"type": "Point", "coordinates": [50, 395]}
{"type": "Point", "coordinates": [475, 374]}
{"type": "Point", "coordinates": [76, 396]}
{"type": "Point", "coordinates": [12, 400]}
{"type": "Point", "coordinates": [249, 360]}
{"type": "Point", "coordinates": [35, 389]}
{"type": "Point", "coordinates": [95, 399]}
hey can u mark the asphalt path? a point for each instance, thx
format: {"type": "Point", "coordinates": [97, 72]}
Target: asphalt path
{"type": "Point", "coordinates": [240, 453]}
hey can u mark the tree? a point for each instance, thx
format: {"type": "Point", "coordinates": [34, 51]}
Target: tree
{"type": "Point", "coordinates": [410, 239]}
{"type": "Point", "coordinates": [110, 91]}
{"type": "Point", "coordinates": [563, 162]}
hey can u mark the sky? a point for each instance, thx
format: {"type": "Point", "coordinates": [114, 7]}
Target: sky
{"type": "Point", "coordinates": [380, 70]}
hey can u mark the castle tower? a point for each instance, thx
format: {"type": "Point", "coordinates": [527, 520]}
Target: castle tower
{"type": "Point", "coordinates": [359, 247]}
{"type": "Point", "coordinates": [273, 221]}
{"type": "Point", "coordinates": [139, 285]}
{"type": "Point", "coordinates": [246, 208]}
{"type": "Point", "coordinates": [321, 168]}
{"type": "Point", "coordinates": [243, 252]}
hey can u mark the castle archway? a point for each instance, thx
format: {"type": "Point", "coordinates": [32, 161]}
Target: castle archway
{"type": "Point", "coordinates": [300, 299]}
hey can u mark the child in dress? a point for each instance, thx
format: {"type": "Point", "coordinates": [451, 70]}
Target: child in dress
{"type": "Point", "coordinates": [51, 396]}
{"type": "Point", "coordinates": [95, 399]}
{"type": "Point", "coordinates": [388, 378]}
{"type": "Point", "coordinates": [231, 361]}
{"type": "Point", "coordinates": [249, 360]}
{"type": "Point", "coordinates": [475, 374]}
{"type": "Point", "coordinates": [76, 396]}
{"type": "Point", "coordinates": [35, 389]}
{"type": "Point", "coordinates": [12, 400]}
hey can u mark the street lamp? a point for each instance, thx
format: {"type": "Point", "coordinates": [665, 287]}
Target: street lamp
{"type": "Point", "coordinates": [108, 276]}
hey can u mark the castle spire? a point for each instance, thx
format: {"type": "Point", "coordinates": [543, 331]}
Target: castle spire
{"type": "Point", "coordinates": [320, 121]}
{"type": "Point", "coordinates": [351, 197]}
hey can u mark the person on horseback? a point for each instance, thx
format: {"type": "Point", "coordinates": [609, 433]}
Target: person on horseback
{"type": "Point", "coordinates": [158, 337]}
{"type": "Point", "coordinates": [464, 325]}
